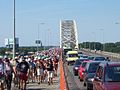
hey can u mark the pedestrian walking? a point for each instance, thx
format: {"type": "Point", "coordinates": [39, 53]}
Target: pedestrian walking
{"type": "Point", "coordinates": [50, 71]}
{"type": "Point", "coordinates": [24, 72]}
{"type": "Point", "coordinates": [17, 75]}
{"type": "Point", "coordinates": [32, 70]}
{"type": "Point", "coordinates": [2, 73]}
{"type": "Point", "coordinates": [8, 73]}
{"type": "Point", "coordinates": [55, 63]}
{"type": "Point", "coordinates": [40, 72]}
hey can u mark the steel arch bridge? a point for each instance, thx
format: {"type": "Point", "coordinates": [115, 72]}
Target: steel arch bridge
{"type": "Point", "coordinates": [68, 34]}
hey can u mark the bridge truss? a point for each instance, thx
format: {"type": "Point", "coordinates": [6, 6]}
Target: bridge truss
{"type": "Point", "coordinates": [68, 34]}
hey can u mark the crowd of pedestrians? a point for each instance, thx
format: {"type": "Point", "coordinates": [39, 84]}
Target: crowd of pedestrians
{"type": "Point", "coordinates": [29, 69]}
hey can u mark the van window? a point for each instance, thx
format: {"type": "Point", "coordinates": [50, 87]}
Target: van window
{"type": "Point", "coordinates": [73, 55]}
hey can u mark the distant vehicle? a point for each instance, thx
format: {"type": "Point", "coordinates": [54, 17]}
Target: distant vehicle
{"type": "Point", "coordinates": [107, 76]}
{"type": "Point", "coordinates": [80, 54]}
{"type": "Point", "coordinates": [89, 73]}
{"type": "Point", "coordinates": [71, 57]}
{"type": "Point", "coordinates": [91, 57]}
{"type": "Point", "coordinates": [76, 66]}
{"type": "Point", "coordinates": [82, 69]}
{"type": "Point", "coordinates": [66, 50]}
{"type": "Point", "coordinates": [99, 58]}
{"type": "Point", "coordinates": [83, 57]}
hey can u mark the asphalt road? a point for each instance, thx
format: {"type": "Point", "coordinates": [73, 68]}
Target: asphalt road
{"type": "Point", "coordinates": [78, 83]}
{"type": "Point", "coordinates": [74, 81]}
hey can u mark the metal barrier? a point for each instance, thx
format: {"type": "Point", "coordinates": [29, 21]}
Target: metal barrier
{"type": "Point", "coordinates": [113, 56]}
{"type": "Point", "coordinates": [69, 78]}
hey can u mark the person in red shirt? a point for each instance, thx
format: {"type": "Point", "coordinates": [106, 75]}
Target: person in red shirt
{"type": "Point", "coordinates": [24, 72]}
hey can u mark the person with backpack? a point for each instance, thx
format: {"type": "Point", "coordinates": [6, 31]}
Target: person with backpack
{"type": "Point", "coordinates": [2, 73]}
{"type": "Point", "coordinates": [24, 72]}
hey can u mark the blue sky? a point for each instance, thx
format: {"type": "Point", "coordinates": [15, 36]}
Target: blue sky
{"type": "Point", "coordinates": [95, 20]}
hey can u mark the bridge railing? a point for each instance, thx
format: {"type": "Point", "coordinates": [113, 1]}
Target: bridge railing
{"type": "Point", "coordinates": [62, 75]}
{"type": "Point", "coordinates": [69, 79]}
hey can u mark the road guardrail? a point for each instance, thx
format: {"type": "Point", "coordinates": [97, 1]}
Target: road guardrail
{"type": "Point", "coordinates": [107, 54]}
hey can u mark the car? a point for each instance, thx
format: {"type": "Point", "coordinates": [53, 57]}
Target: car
{"type": "Point", "coordinates": [107, 76]}
{"type": "Point", "coordinates": [83, 57]}
{"type": "Point", "coordinates": [89, 74]}
{"type": "Point", "coordinates": [80, 54]}
{"type": "Point", "coordinates": [82, 69]}
{"type": "Point", "coordinates": [99, 58]}
{"type": "Point", "coordinates": [76, 66]}
{"type": "Point", "coordinates": [91, 57]}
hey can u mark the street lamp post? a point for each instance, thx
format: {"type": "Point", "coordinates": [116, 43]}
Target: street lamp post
{"type": "Point", "coordinates": [103, 42]}
{"type": "Point", "coordinates": [94, 40]}
{"type": "Point", "coordinates": [102, 31]}
{"type": "Point", "coordinates": [39, 41]}
{"type": "Point", "coordinates": [49, 33]}
{"type": "Point", "coordinates": [14, 34]}
{"type": "Point", "coordinates": [90, 45]}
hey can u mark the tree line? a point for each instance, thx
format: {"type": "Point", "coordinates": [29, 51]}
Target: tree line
{"type": "Point", "coordinates": [23, 49]}
{"type": "Point", "coordinates": [109, 47]}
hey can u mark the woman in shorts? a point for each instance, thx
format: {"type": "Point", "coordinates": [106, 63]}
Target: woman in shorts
{"type": "Point", "coordinates": [40, 72]}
